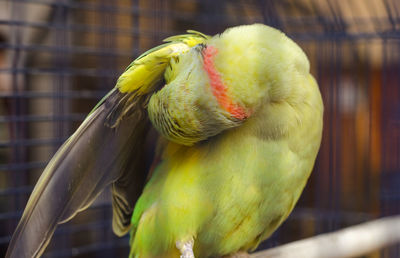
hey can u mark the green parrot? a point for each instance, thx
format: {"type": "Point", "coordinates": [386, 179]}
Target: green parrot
{"type": "Point", "coordinates": [238, 123]}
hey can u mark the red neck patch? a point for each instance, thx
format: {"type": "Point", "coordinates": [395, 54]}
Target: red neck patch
{"type": "Point", "coordinates": [219, 89]}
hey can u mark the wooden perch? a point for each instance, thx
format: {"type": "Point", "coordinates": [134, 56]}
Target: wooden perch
{"type": "Point", "coordinates": [353, 241]}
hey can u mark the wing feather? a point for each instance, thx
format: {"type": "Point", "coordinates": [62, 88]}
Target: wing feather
{"type": "Point", "coordinates": [108, 148]}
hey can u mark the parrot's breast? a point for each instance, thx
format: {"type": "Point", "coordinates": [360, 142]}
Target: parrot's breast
{"type": "Point", "coordinates": [229, 194]}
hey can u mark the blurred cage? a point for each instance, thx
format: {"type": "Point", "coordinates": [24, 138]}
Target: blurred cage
{"type": "Point", "coordinates": [59, 57]}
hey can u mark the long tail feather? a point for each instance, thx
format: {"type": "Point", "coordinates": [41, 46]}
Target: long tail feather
{"type": "Point", "coordinates": [95, 156]}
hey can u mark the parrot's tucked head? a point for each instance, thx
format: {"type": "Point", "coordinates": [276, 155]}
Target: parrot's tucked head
{"type": "Point", "coordinates": [222, 82]}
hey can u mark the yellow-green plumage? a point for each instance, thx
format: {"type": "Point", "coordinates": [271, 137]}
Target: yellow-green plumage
{"type": "Point", "coordinates": [234, 189]}
{"type": "Point", "coordinates": [239, 119]}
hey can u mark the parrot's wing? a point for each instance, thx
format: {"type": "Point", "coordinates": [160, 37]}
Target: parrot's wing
{"type": "Point", "coordinates": [108, 148]}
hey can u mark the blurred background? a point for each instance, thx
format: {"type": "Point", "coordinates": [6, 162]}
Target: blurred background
{"type": "Point", "coordinates": [59, 57]}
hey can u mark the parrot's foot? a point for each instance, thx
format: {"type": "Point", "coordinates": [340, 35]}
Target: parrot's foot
{"type": "Point", "coordinates": [238, 255]}
{"type": "Point", "coordinates": [186, 248]}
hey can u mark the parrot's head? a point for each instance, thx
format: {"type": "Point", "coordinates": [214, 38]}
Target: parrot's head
{"type": "Point", "coordinates": [227, 79]}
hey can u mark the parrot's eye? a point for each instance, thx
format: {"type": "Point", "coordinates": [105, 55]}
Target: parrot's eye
{"type": "Point", "coordinates": [200, 47]}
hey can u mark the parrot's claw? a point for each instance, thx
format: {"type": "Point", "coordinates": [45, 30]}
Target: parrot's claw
{"type": "Point", "coordinates": [186, 248]}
